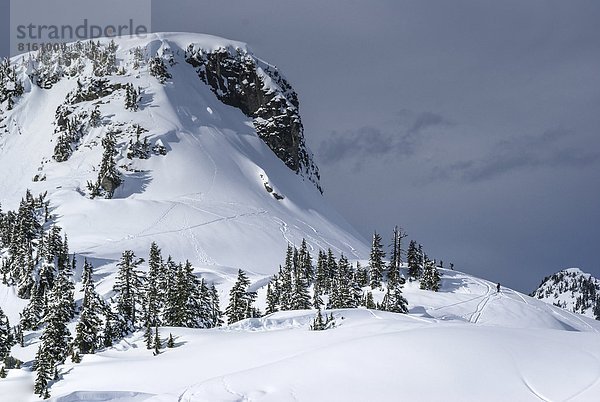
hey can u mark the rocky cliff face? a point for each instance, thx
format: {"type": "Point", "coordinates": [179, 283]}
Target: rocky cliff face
{"type": "Point", "coordinates": [571, 289]}
{"type": "Point", "coordinates": [260, 92]}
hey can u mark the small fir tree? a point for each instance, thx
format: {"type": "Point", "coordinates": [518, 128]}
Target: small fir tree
{"type": "Point", "coordinates": [376, 264]}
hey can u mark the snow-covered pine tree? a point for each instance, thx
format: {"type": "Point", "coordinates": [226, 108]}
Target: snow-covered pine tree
{"type": "Point", "coordinates": [216, 315]}
{"type": "Point", "coordinates": [129, 292]}
{"type": "Point", "coordinates": [368, 301]}
{"type": "Point", "coordinates": [7, 339]}
{"type": "Point", "coordinates": [157, 342]}
{"type": "Point", "coordinates": [393, 276]}
{"type": "Point", "coordinates": [88, 329]}
{"type": "Point", "coordinates": [272, 296]}
{"type": "Point", "coordinates": [431, 276]}
{"type": "Point", "coordinates": [376, 264]}
{"type": "Point", "coordinates": [189, 286]}
{"type": "Point", "coordinates": [305, 265]}
{"type": "Point", "coordinates": [131, 97]}
{"type": "Point", "coordinates": [240, 299]}
{"type": "Point", "coordinates": [413, 257]}
{"type": "Point", "coordinates": [318, 323]}
{"type": "Point", "coordinates": [343, 289]}
{"type": "Point", "coordinates": [362, 275]}
{"type": "Point", "coordinates": [33, 313]}
{"type": "Point", "coordinates": [300, 297]}
{"type": "Point", "coordinates": [56, 337]}
{"type": "Point", "coordinates": [394, 301]}
{"type": "Point", "coordinates": [317, 301]}
{"type": "Point", "coordinates": [331, 270]}
{"type": "Point", "coordinates": [320, 285]}
{"type": "Point", "coordinates": [153, 296]}
{"type": "Point", "coordinates": [148, 336]}
{"type": "Point", "coordinates": [109, 177]}
{"type": "Point", "coordinates": [44, 374]}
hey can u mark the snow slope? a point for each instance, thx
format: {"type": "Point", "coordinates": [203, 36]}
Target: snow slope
{"type": "Point", "coordinates": [205, 200]}
{"type": "Point", "coordinates": [465, 343]}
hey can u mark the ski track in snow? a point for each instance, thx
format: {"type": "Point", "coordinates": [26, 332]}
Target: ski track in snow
{"type": "Point", "coordinates": [533, 391]}
{"type": "Point", "coordinates": [481, 305]}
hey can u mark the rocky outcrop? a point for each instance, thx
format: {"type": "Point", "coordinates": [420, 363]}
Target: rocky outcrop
{"type": "Point", "coordinates": [240, 80]}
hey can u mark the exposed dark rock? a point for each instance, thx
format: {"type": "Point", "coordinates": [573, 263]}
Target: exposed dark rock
{"type": "Point", "coordinates": [239, 80]}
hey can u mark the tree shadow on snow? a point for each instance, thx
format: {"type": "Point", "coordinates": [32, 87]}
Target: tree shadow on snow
{"type": "Point", "coordinates": [133, 183]}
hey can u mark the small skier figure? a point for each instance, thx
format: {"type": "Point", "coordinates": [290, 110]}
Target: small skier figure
{"type": "Point", "coordinates": [498, 288]}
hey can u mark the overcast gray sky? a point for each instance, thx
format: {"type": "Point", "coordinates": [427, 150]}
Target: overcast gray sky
{"type": "Point", "coordinates": [472, 124]}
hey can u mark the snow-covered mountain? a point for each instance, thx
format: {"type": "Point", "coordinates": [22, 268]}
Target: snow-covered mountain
{"type": "Point", "coordinates": [209, 146]}
{"type": "Point", "coordinates": [210, 162]}
{"type": "Point", "coordinates": [571, 289]}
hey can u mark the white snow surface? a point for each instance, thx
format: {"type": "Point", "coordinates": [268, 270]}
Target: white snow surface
{"type": "Point", "coordinates": [464, 343]}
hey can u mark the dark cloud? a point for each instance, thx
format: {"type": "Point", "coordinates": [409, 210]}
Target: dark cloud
{"type": "Point", "coordinates": [371, 142]}
{"type": "Point", "coordinates": [551, 149]}
{"type": "Point", "coordinates": [426, 120]}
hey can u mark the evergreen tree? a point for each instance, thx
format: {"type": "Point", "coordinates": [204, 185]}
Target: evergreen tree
{"type": "Point", "coordinates": [300, 298]}
{"type": "Point", "coordinates": [33, 313]}
{"type": "Point", "coordinates": [129, 291]}
{"type": "Point", "coordinates": [240, 300]}
{"type": "Point", "coordinates": [88, 329]}
{"type": "Point", "coordinates": [189, 287]}
{"type": "Point", "coordinates": [396, 257]}
{"type": "Point", "coordinates": [343, 288]}
{"type": "Point", "coordinates": [317, 300]}
{"type": "Point", "coordinates": [56, 337]}
{"type": "Point", "coordinates": [305, 265]}
{"type": "Point", "coordinates": [148, 337]}
{"type": "Point", "coordinates": [171, 341]}
{"type": "Point", "coordinates": [157, 342]}
{"type": "Point", "coordinates": [287, 274]}
{"type": "Point", "coordinates": [7, 339]}
{"type": "Point", "coordinates": [331, 269]}
{"type": "Point", "coordinates": [45, 369]}
{"type": "Point", "coordinates": [376, 264]}
{"type": "Point", "coordinates": [431, 276]}
{"type": "Point", "coordinates": [108, 176]}
{"type": "Point", "coordinates": [112, 327]}
{"type": "Point", "coordinates": [318, 323]}
{"type": "Point", "coordinates": [413, 257]}
{"type": "Point", "coordinates": [216, 314]}
{"type": "Point", "coordinates": [2, 372]}
{"type": "Point", "coordinates": [362, 275]}
{"type": "Point", "coordinates": [394, 301]}
{"type": "Point", "coordinates": [368, 301]}
{"type": "Point", "coordinates": [272, 296]}
{"type": "Point", "coordinates": [152, 294]}
{"type": "Point", "coordinates": [320, 285]}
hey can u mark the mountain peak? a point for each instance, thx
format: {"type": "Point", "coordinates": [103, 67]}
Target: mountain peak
{"type": "Point", "coordinates": [184, 139]}
{"type": "Point", "coordinates": [571, 289]}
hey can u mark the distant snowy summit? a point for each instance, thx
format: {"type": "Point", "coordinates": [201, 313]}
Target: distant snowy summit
{"type": "Point", "coordinates": [571, 289]}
